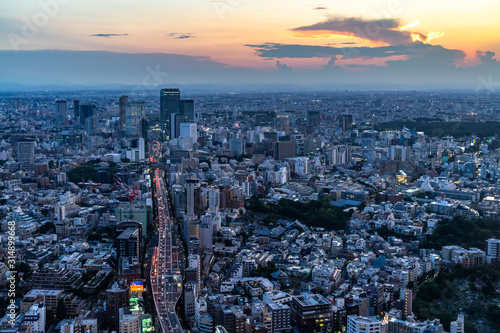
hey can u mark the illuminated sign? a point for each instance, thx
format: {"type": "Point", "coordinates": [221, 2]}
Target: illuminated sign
{"type": "Point", "coordinates": [136, 286]}
{"type": "Point", "coordinates": [134, 304]}
{"type": "Point", "coordinates": [147, 325]}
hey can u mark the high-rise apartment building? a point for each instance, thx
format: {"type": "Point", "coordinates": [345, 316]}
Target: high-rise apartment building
{"type": "Point", "coordinates": [492, 250]}
{"type": "Point", "coordinates": [122, 107]}
{"type": "Point", "coordinates": [116, 298]}
{"type": "Point", "coordinates": [280, 315]}
{"type": "Point", "coordinates": [26, 151]}
{"type": "Point", "coordinates": [128, 243]}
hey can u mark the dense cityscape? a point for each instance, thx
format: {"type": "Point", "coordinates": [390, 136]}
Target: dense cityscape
{"type": "Point", "coordinates": [249, 212]}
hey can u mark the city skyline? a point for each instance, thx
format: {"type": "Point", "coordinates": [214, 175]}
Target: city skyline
{"type": "Point", "coordinates": [386, 44]}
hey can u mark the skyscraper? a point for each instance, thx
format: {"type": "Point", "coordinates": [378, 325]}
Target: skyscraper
{"type": "Point", "coordinates": [176, 119]}
{"type": "Point", "coordinates": [122, 104]}
{"type": "Point", "coordinates": [345, 122]}
{"type": "Point", "coordinates": [134, 113]}
{"type": "Point", "coordinates": [186, 108]}
{"type": "Point", "coordinates": [169, 103]}
{"type": "Point", "coordinates": [88, 117]}
{"type": "Point", "coordinates": [314, 118]}
{"type": "Point", "coordinates": [282, 123]}
{"type": "Point", "coordinates": [61, 112]}
{"type": "Point", "coordinates": [76, 108]}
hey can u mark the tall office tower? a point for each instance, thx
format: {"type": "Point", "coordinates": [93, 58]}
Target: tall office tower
{"type": "Point", "coordinates": [141, 145]}
{"type": "Point", "coordinates": [86, 110]}
{"type": "Point", "coordinates": [357, 324]}
{"type": "Point", "coordinates": [26, 151]}
{"type": "Point", "coordinates": [283, 149]}
{"type": "Point", "coordinates": [88, 117]}
{"type": "Point", "coordinates": [345, 122]}
{"type": "Point", "coordinates": [76, 108]}
{"type": "Point", "coordinates": [169, 103]}
{"type": "Point", "coordinates": [134, 113]}
{"type": "Point", "coordinates": [186, 108]}
{"type": "Point", "coordinates": [314, 118]}
{"type": "Point", "coordinates": [122, 105]}
{"type": "Point", "coordinates": [282, 123]}
{"type": "Point", "coordinates": [189, 130]}
{"type": "Point", "coordinates": [458, 326]}
{"type": "Point", "coordinates": [116, 298]}
{"type": "Point", "coordinates": [176, 119]}
{"type": "Point", "coordinates": [144, 128]}
{"type": "Point", "coordinates": [61, 112]}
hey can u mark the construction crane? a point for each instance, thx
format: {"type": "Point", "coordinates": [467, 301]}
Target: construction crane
{"type": "Point", "coordinates": [132, 193]}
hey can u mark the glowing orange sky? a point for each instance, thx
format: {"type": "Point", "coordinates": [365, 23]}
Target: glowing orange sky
{"type": "Point", "coordinates": [220, 29]}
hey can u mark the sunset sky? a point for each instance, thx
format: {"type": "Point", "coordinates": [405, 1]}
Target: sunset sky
{"type": "Point", "coordinates": [263, 36]}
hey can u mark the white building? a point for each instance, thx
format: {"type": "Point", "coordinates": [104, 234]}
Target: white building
{"type": "Point", "coordinates": [492, 250]}
{"type": "Point", "coordinates": [188, 130]}
{"type": "Point", "coordinates": [458, 325]}
{"type": "Point", "coordinates": [35, 317]}
{"type": "Point", "coordinates": [357, 324]}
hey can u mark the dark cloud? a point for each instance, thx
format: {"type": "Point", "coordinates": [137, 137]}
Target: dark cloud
{"type": "Point", "coordinates": [283, 67]}
{"type": "Point", "coordinates": [330, 63]}
{"type": "Point", "coordinates": [181, 36]}
{"type": "Point", "coordinates": [486, 57]}
{"type": "Point", "coordinates": [383, 30]}
{"type": "Point", "coordinates": [108, 35]}
{"type": "Point", "coordinates": [415, 50]}
{"type": "Point", "coordinates": [320, 8]}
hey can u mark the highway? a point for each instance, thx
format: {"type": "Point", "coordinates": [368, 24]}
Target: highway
{"type": "Point", "coordinates": [165, 275]}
